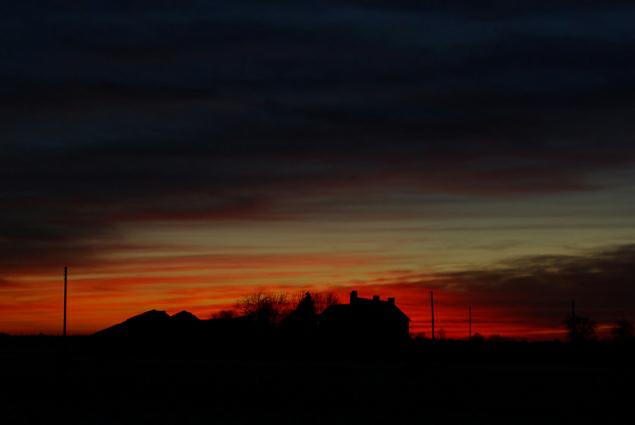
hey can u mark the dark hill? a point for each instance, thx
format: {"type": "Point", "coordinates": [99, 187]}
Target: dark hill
{"type": "Point", "coordinates": [151, 323]}
{"type": "Point", "coordinates": [184, 316]}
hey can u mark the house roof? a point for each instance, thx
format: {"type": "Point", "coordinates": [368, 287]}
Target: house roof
{"type": "Point", "coordinates": [365, 307]}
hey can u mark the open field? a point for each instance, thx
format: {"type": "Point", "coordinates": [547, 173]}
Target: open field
{"type": "Point", "coordinates": [45, 381]}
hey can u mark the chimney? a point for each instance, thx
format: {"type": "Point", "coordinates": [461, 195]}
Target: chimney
{"type": "Point", "coordinates": [391, 300]}
{"type": "Point", "coordinates": [376, 298]}
{"type": "Point", "coordinates": [353, 297]}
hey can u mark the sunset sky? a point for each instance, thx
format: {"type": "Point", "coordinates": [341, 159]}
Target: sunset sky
{"type": "Point", "coordinates": [178, 155]}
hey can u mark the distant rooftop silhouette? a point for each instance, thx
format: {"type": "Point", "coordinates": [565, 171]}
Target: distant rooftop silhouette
{"type": "Point", "coordinates": [362, 320]}
{"type": "Point", "coordinates": [150, 323]}
{"type": "Point", "coordinates": [365, 318]}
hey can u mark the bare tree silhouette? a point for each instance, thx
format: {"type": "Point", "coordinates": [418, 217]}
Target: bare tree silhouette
{"type": "Point", "coordinates": [265, 308]}
{"type": "Point", "coordinates": [323, 300]}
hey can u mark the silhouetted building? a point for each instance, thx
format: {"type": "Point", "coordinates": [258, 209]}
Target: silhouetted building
{"type": "Point", "coordinates": [365, 319]}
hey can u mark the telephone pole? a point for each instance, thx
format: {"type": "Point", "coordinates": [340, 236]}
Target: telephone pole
{"type": "Point", "coordinates": [65, 287]}
{"type": "Point", "coordinates": [432, 311]}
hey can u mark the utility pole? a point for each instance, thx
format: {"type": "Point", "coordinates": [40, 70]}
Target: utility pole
{"type": "Point", "coordinates": [469, 315]}
{"type": "Point", "coordinates": [432, 311]}
{"type": "Point", "coordinates": [65, 286]}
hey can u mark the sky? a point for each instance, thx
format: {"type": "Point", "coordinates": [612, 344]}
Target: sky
{"type": "Point", "coordinates": [182, 154]}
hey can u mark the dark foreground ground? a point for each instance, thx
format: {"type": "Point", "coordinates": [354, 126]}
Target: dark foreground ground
{"type": "Point", "coordinates": [85, 381]}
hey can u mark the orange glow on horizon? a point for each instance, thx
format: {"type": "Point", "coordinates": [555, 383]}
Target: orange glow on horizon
{"type": "Point", "coordinates": [119, 286]}
{"type": "Point", "coordinates": [97, 301]}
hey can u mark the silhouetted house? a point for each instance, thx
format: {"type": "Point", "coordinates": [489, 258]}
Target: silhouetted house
{"type": "Point", "coordinates": [365, 319]}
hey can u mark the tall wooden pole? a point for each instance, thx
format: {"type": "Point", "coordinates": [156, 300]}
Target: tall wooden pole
{"type": "Point", "coordinates": [469, 313]}
{"type": "Point", "coordinates": [65, 286]}
{"type": "Point", "coordinates": [432, 311]}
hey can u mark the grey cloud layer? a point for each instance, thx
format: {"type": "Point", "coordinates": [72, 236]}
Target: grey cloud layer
{"type": "Point", "coordinates": [538, 290]}
{"type": "Point", "coordinates": [135, 110]}
{"type": "Point", "coordinates": [601, 282]}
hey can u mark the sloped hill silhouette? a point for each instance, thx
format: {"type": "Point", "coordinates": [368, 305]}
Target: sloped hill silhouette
{"type": "Point", "coordinates": [184, 316]}
{"type": "Point", "coordinates": [153, 323]}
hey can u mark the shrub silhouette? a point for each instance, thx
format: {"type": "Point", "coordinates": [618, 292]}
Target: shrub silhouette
{"type": "Point", "coordinates": [224, 315]}
{"type": "Point", "coordinates": [302, 322]}
{"type": "Point", "coordinates": [623, 331]}
{"type": "Point", "coordinates": [580, 328]}
{"type": "Point", "coordinates": [477, 337]}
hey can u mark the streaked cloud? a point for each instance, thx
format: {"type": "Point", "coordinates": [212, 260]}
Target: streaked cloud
{"type": "Point", "coordinates": [301, 120]}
